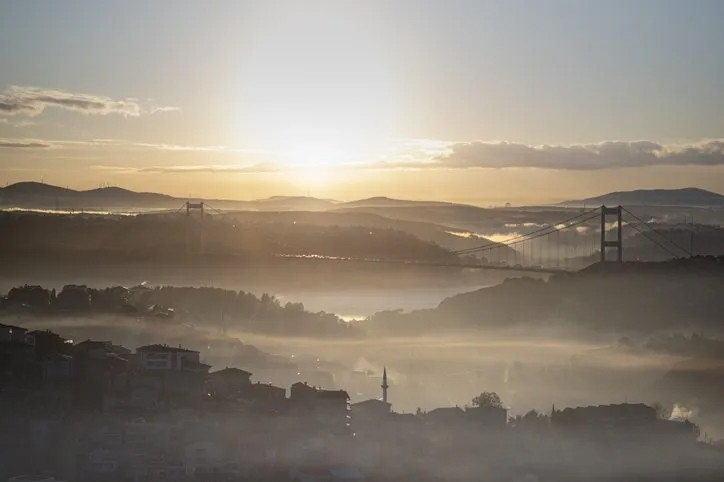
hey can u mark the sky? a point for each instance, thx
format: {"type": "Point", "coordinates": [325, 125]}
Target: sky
{"type": "Point", "coordinates": [479, 102]}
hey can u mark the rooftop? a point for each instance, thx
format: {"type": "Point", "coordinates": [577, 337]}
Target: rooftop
{"type": "Point", "coordinates": [371, 402]}
{"type": "Point", "coordinates": [333, 394]}
{"type": "Point", "coordinates": [13, 327]}
{"type": "Point", "coordinates": [32, 478]}
{"type": "Point", "coordinates": [164, 348]}
{"type": "Point", "coordinates": [231, 371]}
{"type": "Point", "coordinates": [93, 344]}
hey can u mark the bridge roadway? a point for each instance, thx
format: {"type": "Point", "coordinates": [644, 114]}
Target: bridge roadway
{"type": "Point", "coordinates": [530, 269]}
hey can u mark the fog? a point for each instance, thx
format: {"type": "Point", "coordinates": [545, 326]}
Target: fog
{"type": "Point", "coordinates": [529, 369]}
{"type": "Point", "coordinates": [589, 365]}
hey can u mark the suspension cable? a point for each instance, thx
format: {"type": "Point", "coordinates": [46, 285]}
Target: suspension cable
{"type": "Point", "coordinates": [641, 221]}
{"type": "Point", "coordinates": [545, 228]}
{"type": "Point", "coordinates": [657, 243]}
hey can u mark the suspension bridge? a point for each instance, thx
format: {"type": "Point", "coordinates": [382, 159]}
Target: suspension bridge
{"type": "Point", "coordinates": [590, 236]}
{"type": "Point", "coordinates": [574, 243]}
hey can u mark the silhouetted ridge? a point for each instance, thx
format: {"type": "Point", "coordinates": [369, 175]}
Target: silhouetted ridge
{"type": "Point", "coordinates": [647, 297]}
{"type": "Point", "coordinates": [690, 196]}
{"type": "Point", "coordinates": [383, 201]}
{"type": "Point", "coordinates": [32, 188]}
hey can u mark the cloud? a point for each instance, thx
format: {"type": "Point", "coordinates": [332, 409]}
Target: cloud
{"type": "Point", "coordinates": [250, 168]}
{"type": "Point", "coordinates": [154, 109]}
{"type": "Point", "coordinates": [198, 168]}
{"type": "Point", "coordinates": [32, 101]}
{"type": "Point", "coordinates": [121, 144]}
{"type": "Point", "coordinates": [126, 144]}
{"type": "Point", "coordinates": [603, 155]}
{"type": "Point", "coordinates": [24, 144]}
{"type": "Point", "coordinates": [417, 154]}
{"type": "Point", "coordinates": [18, 124]}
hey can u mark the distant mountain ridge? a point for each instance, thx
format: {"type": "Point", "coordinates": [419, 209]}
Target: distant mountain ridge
{"type": "Point", "coordinates": [386, 202]}
{"type": "Point", "coordinates": [38, 195]}
{"type": "Point", "coordinates": [38, 192]}
{"type": "Point", "coordinates": [689, 196]}
{"type": "Point", "coordinates": [35, 195]}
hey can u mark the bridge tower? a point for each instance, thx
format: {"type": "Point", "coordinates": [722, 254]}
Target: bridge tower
{"type": "Point", "coordinates": [194, 228]}
{"type": "Point", "coordinates": [618, 242]}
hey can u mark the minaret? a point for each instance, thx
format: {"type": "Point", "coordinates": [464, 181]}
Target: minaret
{"type": "Point", "coordinates": [385, 386]}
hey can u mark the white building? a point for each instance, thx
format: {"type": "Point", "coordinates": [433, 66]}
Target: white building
{"type": "Point", "coordinates": [163, 357]}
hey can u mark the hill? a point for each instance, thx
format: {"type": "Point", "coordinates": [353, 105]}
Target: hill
{"type": "Point", "coordinates": [36, 195]}
{"type": "Point", "coordinates": [624, 298]}
{"type": "Point", "coordinates": [689, 196]}
{"type": "Point", "coordinates": [440, 235]}
{"type": "Point", "coordinates": [249, 234]}
{"type": "Point", "coordinates": [386, 202]}
{"type": "Point", "coordinates": [459, 216]}
{"type": "Point", "coordinates": [292, 203]}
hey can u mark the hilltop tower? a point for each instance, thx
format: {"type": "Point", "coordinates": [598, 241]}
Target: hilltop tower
{"type": "Point", "coordinates": [384, 385]}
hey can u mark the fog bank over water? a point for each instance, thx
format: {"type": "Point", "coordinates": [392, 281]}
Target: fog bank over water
{"type": "Point", "coordinates": [530, 370]}
{"type": "Point", "coordinates": [358, 304]}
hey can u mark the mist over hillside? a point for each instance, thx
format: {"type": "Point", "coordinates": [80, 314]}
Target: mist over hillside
{"type": "Point", "coordinates": [627, 298]}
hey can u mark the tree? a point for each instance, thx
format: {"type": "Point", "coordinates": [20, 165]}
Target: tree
{"type": "Point", "coordinates": [488, 399]}
{"type": "Point", "coordinates": [531, 421]}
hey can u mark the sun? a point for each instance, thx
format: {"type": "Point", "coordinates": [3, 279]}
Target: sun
{"type": "Point", "coordinates": [312, 153]}
{"type": "Point", "coordinates": [312, 162]}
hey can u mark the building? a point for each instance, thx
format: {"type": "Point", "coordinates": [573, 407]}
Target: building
{"type": "Point", "coordinates": [92, 348]}
{"type": "Point", "coordinates": [445, 416]}
{"type": "Point", "coordinates": [331, 408]}
{"type": "Point", "coordinates": [57, 367]}
{"type": "Point", "coordinates": [12, 334]}
{"type": "Point", "coordinates": [33, 478]}
{"type": "Point", "coordinates": [264, 393]}
{"type": "Point", "coordinates": [373, 409]}
{"type": "Point", "coordinates": [202, 456]}
{"type": "Point", "coordinates": [370, 410]}
{"type": "Point", "coordinates": [164, 357]}
{"type": "Point", "coordinates": [228, 382]}
{"type": "Point", "coordinates": [102, 374]}
{"type": "Point", "coordinates": [487, 417]}
{"type": "Point", "coordinates": [607, 417]}
{"type": "Point", "coordinates": [384, 385]}
{"type": "Point", "coordinates": [175, 376]}
{"type": "Point", "coordinates": [45, 342]}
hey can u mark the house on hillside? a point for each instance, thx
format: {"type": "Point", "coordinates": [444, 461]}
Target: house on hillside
{"type": "Point", "coordinates": [228, 382]}
{"type": "Point", "coordinates": [330, 408]}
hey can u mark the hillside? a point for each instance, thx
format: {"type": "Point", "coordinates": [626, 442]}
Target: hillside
{"type": "Point", "coordinates": [386, 202]}
{"type": "Point", "coordinates": [610, 298]}
{"type": "Point", "coordinates": [36, 195]}
{"type": "Point", "coordinates": [460, 216]}
{"type": "Point", "coordinates": [164, 236]}
{"type": "Point", "coordinates": [426, 231]}
{"type": "Point", "coordinates": [689, 196]}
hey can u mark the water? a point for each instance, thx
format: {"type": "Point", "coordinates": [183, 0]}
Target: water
{"type": "Point", "coordinates": [360, 303]}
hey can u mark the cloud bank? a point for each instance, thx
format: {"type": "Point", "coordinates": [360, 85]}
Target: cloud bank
{"type": "Point", "coordinates": [32, 101]}
{"type": "Point", "coordinates": [416, 156]}
{"type": "Point", "coordinates": [608, 154]}
{"type": "Point", "coordinates": [250, 168]}
{"type": "Point", "coordinates": [23, 144]}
